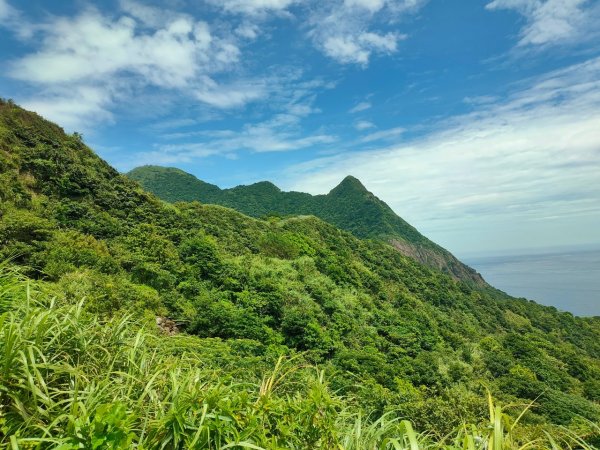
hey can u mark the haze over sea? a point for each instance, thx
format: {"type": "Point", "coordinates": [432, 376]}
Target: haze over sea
{"type": "Point", "coordinates": [566, 279]}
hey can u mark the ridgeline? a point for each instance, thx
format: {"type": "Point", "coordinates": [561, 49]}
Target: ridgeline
{"type": "Point", "coordinates": [349, 206]}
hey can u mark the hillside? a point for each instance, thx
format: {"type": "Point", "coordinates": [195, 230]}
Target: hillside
{"type": "Point", "coordinates": [96, 257]}
{"type": "Point", "coordinates": [349, 206]}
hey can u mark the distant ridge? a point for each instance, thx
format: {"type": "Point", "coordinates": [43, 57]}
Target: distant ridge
{"type": "Point", "coordinates": [349, 206]}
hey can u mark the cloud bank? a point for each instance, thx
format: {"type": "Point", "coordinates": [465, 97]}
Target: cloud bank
{"type": "Point", "coordinates": [347, 31]}
{"type": "Point", "coordinates": [532, 157]}
{"type": "Point", "coordinates": [86, 63]}
{"type": "Point", "coordinates": [550, 22]}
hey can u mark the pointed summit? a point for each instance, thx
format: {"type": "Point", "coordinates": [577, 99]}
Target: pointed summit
{"type": "Point", "coordinates": [349, 186]}
{"type": "Point", "coordinates": [351, 179]}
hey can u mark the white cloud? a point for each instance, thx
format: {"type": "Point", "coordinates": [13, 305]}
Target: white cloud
{"type": "Point", "coordinates": [11, 19]}
{"type": "Point", "coordinates": [263, 139]}
{"type": "Point", "coordinates": [404, 6]}
{"type": "Point", "coordinates": [112, 59]}
{"type": "Point", "coordinates": [253, 7]}
{"type": "Point", "coordinates": [166, 156]}
{"type": "Point", "coordinates": [552, 21]}
{"type": "Point", "coordinates": [362, 125]}
{"type": "Point", "coordinates": [358, 48]}
{"type": "Point", "coordinates": [92, 46]}
{"type": "Point", "coordinates": [369, 5]}
{"type": "Point", "coordinates": [385, 43]}
{"type": "Point", "coordinates": [122, 55]}
{"type": "Point", "coordinates": [362, 106]}
{"type": "Point", "coordinates": [148, 15]}
{"type": "Point", "coordinates": [5, 10]}
{"type": "Point", "coordinates": [232, 96]}
{"type": "Point", "coordinates": [345, 49]}
{"type": "Point", "coordinates": [74, 108]}
{"type": "Point", "coordinates": [383, 135]}
{"type": "Point", "coordinates": [341, 29]}
{"type": "Point", "coordinates": [248, 30]}
{"type": "Point", "coordinates": [292, 99]}
{"type": "Point", "coordinates": [260, 138]}
{"type": "Point", "coordinates": [484, 176]}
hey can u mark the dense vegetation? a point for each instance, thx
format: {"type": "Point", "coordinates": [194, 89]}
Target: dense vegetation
{"type": "Point", "coordinates": [389, 335]}
{"type": "Point", "coordinates": [71, 380]}
{"type": "Point", "coordinates": [348, 206]}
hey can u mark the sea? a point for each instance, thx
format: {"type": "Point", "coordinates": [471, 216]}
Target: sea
{"type": "Point", "coordinates": [567, 279]}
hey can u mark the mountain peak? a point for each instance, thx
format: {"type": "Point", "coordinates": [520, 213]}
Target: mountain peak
{"type": "Point", "coordinates": [261, 187]}
{"type": "Point", "coordinates": [266, 185]}
{"type": "Point", "coordinates": [349, 186]}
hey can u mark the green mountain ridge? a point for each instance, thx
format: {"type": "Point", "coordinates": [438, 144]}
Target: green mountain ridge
{"type": "Point", "coordinates": [349, 206]}
{"type": "Point", "coordinates": [93, 260]}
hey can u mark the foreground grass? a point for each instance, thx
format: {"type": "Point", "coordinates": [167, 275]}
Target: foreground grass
{"type": "Point", "coordinates": [71, 380]}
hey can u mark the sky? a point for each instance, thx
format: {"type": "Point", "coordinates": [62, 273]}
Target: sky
{"type": "Point", "coordinates": [477, 121]}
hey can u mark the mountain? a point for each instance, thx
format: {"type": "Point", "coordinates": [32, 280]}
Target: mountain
{"type": "Point", "coordinates": [92, 263]}
{"type": "Point", "coordinates": [349, 206]}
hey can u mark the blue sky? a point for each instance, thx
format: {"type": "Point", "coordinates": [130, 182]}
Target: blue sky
{"type": "Point", "coordinates": [477, 121]}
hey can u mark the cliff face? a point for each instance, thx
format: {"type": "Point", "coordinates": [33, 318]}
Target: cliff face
{"type": "Point", "coordinates": [443, 261]}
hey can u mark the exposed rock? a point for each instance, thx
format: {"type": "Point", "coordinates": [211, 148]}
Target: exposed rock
{"type": "Point", "coordinates": [441, 260]}
{"type": "Point", "coordinates": [167, 325]}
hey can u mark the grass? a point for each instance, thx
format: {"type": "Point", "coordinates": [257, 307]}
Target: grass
{"type": "Point", "coordinates": [70, 379]}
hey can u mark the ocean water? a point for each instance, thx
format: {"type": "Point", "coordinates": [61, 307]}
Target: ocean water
{"type": "Point", "coordinates": [570, 281]}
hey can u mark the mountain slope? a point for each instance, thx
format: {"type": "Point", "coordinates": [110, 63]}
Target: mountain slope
{"type": "Point", "coordinates": [349, 206]}
{"type": "Point", "coordinates": [391, 334]}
